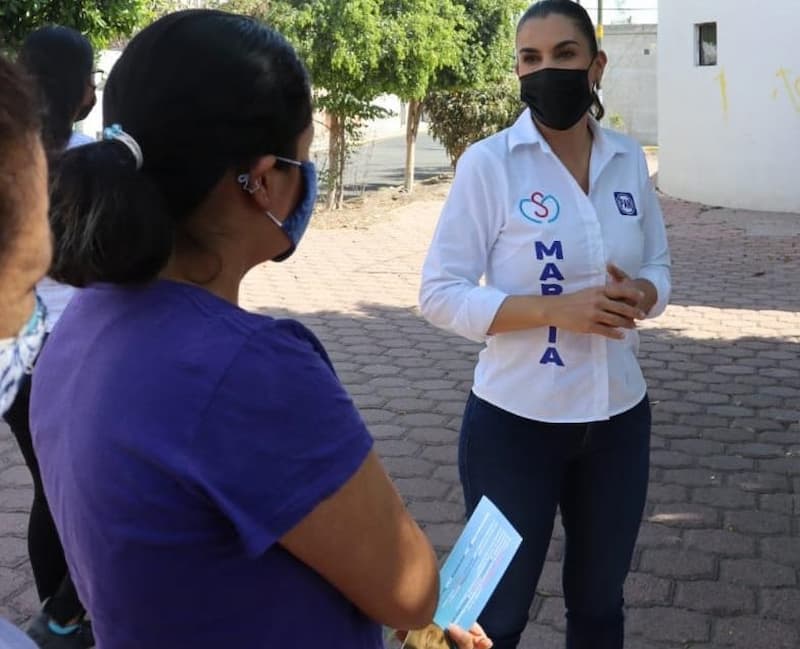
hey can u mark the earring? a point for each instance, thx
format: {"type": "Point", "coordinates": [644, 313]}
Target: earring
{"type": "Point", "coordinates": [244, 181]}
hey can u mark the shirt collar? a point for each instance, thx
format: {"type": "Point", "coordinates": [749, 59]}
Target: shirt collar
{"type": "Point", "coordinates": [524, 131]}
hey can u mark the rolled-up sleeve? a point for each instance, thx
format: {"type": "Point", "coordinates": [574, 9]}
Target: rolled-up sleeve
{"type": "Point", "coordinates": [656, 260]}
{"type": "Point", "coordinates": [451, 296]}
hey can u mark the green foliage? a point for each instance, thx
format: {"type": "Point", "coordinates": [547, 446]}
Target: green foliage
{"type": "Point", "coordinates": [100, 20]}
{"type": "Point", "coordinates": [488, 51]}
{"type": "Point", "coordinates": [457, 118]}
{"type": "Point", "coordinates": [421, 38]}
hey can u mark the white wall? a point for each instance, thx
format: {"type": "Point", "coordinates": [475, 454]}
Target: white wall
{"type": "Point", "coordinates": [630, 80]}
{"type": "Point", "coordinates": [729, 134]}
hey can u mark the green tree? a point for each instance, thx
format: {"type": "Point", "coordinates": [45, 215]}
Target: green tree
{"type": "Point", "coordinates": [100, 20]}
{"type": "Point", "coordinates": [478, 95]}
{"type": "Point", "coordinates": [341, 42]}
{"type": "Point", "coordinates": [460, 117]}
{"type": "Point", "coordinates": [422, 37]}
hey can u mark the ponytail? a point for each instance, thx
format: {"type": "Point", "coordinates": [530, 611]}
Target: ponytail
{"type": "Point", "coordinates": [110, 222]}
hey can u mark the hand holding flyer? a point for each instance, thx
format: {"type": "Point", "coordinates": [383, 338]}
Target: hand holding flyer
{"type": "Point", "coordinates": [479, 559]}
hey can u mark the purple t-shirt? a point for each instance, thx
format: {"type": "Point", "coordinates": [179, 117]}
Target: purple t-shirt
{"type": "Point", "coordinates": [179, 438]}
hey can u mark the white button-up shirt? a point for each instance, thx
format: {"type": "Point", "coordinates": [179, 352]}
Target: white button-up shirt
{"type": "Point", "coordinates": [518, 219]}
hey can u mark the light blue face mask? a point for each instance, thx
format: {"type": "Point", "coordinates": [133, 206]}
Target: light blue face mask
{"type": "Point", "coordinates": [18, 354]}
{"type": "Point", "coordinates": [294, 225]}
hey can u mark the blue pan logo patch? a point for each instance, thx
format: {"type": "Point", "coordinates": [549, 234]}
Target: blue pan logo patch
{"type": "Point", "coordinates": [625, 203]}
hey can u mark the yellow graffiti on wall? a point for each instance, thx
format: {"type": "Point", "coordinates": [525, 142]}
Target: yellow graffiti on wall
{"type": "Point", "coordinates": [789, 85]}
{"type": "Point", "coordinates": [792, 87]}
{"type": "Point", "coordinates": [723, 89]}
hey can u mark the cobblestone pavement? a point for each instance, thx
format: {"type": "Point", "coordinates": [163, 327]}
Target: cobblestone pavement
{"type": "Point", "coordinates": [718, 559]}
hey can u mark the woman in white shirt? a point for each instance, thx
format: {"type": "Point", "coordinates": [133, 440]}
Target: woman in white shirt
{"type": "Point", "coordinates": [560, 218]}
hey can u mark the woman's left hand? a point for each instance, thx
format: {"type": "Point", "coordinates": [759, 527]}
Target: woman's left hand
{"type": "Point", "coordinates": [644, 286]}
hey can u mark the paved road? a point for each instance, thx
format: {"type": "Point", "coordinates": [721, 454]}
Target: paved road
{"type": "Point", "coordinates": [718, 559]}
{"type": "Point", "coordinates": [381, 163]}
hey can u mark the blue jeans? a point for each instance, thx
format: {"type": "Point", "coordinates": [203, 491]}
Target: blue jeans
{"type": "Point", "coordinates": [597, 474]}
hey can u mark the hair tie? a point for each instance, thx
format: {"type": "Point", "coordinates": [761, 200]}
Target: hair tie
{"type": "Point", "coordinates": [115, 132]}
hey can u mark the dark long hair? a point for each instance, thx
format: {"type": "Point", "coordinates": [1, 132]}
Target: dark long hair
{"type": "Point", "coordinates": [19, 123]}
{"type": "Point", "coordinates": [577, 14]}
{"type": "Point", "coordinates": [61, 60]}
{"type": "Point", "coordinates": [204, 93]}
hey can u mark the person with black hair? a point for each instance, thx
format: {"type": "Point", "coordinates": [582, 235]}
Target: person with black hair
{"type": "Point", "coordinates": [559, 216]}
{"type": "Point", "coordinates": [212, 481]}
{"type": "Point", "coordinates": [60, 61]}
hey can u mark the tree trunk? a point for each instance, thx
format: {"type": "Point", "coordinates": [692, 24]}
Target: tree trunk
{"type": "Point", "coordinates": [341, 164]}
{"type": "Point", "coordinates": [412, 127]}
{"type": "Point", "coordinates": [333, 161]}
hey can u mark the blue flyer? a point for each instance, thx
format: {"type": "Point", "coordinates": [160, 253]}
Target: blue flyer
{"type": "Point", "coordinates": [474, 568]}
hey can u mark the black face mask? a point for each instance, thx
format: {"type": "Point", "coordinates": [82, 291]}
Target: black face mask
{"type": "Point", "coordinates": [558, 98]}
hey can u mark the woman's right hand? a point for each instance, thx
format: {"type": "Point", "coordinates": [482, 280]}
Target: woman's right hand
{"type": "Point", "coordinates": [475, 638]}
{"type": "Point", "coordinates": [601, 310]}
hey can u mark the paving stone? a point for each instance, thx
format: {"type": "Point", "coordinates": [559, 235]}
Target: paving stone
{"type": "Point", "coordinates": [757, 522]}
{"type": "Point", "coordinates": [386, 431]}
{"type": "Point", "coordinates": [443, 535]}
{"type": "Point", "coordinates": [669, 625]}
{"type": "Point", "coordinates": [781, 603]}
{"type": "Point", "coordinates": [657, 536]}
{"type": "Point", "coordinates": [550, 580]}
{"type": "Point", "coordinates": [731, 433]}
{"type": "Point", "coordinates": [552, 613]}
{"type": "Point", "coordinates": [426, 435]}
{"type": "Point", "coordinates": [715, 597]}
{"type": "Point", "coordinates": [686, 515]}
{"type": "Point", "coordinates": [15, 476]}
{"type": "Point", "coordinates": [421, 419]}
{"type": "Point", "coordinates": [14, 523]}
{"type": "Point", "coordinates": [756, 572]}
{"type": "Point", "coordinates": [691, 477]}
{"type": "Point", "coordinates": [421, 487]}
{"type": "Point", "coordinates": [779, 503]}
{"type": "Point", "coordinates": [756, 633]}
{"type": "Point", "coordinates": [671, 459]}
{"type": "Point", "coordinates": [408, 467]}
{"type": "Point", "coordinates": [646, 590]}
{"type": "Point", "coordinates": [782, 549]}
{"type": "Point", "coordinates": [538, 636]}
{"type": "Point", "coordinates": [375, 416]}
{"type": "Point", "coordinates": [725, 497]}
{"type": "Point", "coordinates": [761, 482]}
{"type": "Point", "coordinates": [15, 500]}
{"type": "Point", "coordinates": [447, 454]}
{"type": "Point", "coordinates": [720, 542]}
{"type": "Point", "coordinates": [727, 463]}
{"type": "Point", "coordinates": [13, 550]}
{"type": "Point", "coordinates": [667, 493]}
{"type": "Point", "coordinates": [678, 563]}
{"type": "Point", "coordinates": [756, 450]}
{"type": "Point", "coordinates": [697, 447]}
{"type": "Point", "coordinates": [447, 472]}
{"type": "Point", "coordinates": [787, 465]}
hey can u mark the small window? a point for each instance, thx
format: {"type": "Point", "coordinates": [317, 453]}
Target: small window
{"type": "Point", "coordinates": [706, 39]}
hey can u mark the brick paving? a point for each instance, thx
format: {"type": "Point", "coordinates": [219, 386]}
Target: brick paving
{"type": "Point", "coordinates": [718, 558]}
